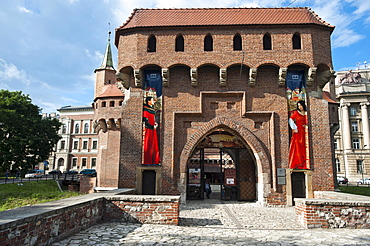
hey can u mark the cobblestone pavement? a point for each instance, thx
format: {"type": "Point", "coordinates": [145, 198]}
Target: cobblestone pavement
{"type": "Point", "coordinates": [214, 222]}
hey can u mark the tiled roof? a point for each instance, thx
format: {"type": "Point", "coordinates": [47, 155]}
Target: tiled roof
{"type": "Point", "coordinates": [221, 16]}
{"type": "Point", "coordinates": [326, 96]}
{"type": "Point", "coordinates": [111, 90]}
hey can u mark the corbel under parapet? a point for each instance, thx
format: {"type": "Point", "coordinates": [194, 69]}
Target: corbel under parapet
{"type": "Point", "coordinates": [223, 75]}
{"type": "Point", "coordinates": [122, 80]}
{"type": "Point", "coordinates": [252, 76]}
{"type": "Point", "coordinates": [102, 125]}
{"type": "Point", "coordinates": [324, 77]}
{"type": "Point", "coordinates": [165, 79]}
{"type": "Point", "coordinates": [311, 76]}
{"type": "Point", "coordinates": [137, 76]}
{"type": "Point", "coordinates": [194, 76]}
{"type": "Point", "coordinates": [282, 76]}
{"type": "Point", "coordinates": [118, 123]}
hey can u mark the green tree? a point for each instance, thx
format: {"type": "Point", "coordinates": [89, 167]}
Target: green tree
{"type": "Point", "coordinates": [25, 137]}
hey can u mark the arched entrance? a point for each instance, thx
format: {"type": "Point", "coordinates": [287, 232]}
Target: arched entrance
{"type": "Point", "coordinates": [223, 159]}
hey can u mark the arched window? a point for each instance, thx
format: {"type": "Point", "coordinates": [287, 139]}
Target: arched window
{"type": "Point", "coordinates": [179, 43]}
{"type": "Point", "coordinates": [77, 128]}
{"type": "Point", "coordinates": [86, 128]}
{"type": "Point", "coordinates": [296, 40]}
{"type": "Point", "coordinates": [208, 43]}
{"type": "Point", "coordinates": [152, 44]}
{"type": "Point", "coordinates": [237, 42]}
{"type": "Point", "coordinates": [267, 42]}
{"type": "Point", "coordinates": [64, 128]}
{"type": "Point", "coordinates": [60, 162]}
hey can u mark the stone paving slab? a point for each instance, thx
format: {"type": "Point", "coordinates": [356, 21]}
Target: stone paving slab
{"type": "Point", "coordinates": [214, 222]}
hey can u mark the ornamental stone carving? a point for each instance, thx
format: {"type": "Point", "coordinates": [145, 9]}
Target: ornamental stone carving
{"type": "Point", "coordinates": [252, 76]}
{"type": "Point", "coordinates": [194, 76]}
{"type": "Point", "coordinates": [282, 76]}
{"type": "Point", "coordinates": [223, 75]}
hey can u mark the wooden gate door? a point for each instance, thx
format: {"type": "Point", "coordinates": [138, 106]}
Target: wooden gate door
{"type": "Point", "coordinates": [298, 185]}
{"type": "Point", "coordinates": [149, 178]}
{"type": "Point", "coordinates": [246, 176]}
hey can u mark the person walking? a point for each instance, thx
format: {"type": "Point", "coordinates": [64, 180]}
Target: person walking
{"type": "Point", "coordinates": [207, 188]}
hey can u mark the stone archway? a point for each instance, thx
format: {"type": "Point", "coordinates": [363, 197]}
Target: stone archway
{"type": "Point", "coordinates": [262, 162]}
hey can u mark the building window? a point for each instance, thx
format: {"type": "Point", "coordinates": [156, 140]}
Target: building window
{"type": "Point", "coordinates": [336, 143]}
{"type": "Point", "coordinates": [62, 144]}
{"type": "Point", "coordinates": [111, 104]}
{"type": "Point", "coordinates": [355, 143]}
{"type": "Point", "coordinates": [267, 42]}
{"type": "Point", "coordinates": [152, 43]}
{"type": "Point", "coordinates": [84, 162]}
{"type": "Point", "coordinates": [208, 43]}
{"type": "Point", "coordinates": [354, 126]}
{"type": "Point", "coordinates": [179, 43]}
{"type": "Point", "coordinates": [86, 128]}
{"type": "Point", "coordinates": [74, 162]}
{"type": "Point", "coordinates": [84, 144]}
{"type": "Point", "coordinates": [104, 104]}
{"type": "Point", "coordinates": [359, 166]}
{"type": "Point", "coordinates": [120, 103]}
{"type": "Point", "coordinates": [77, 128]}
{"type": "Point", "coordinates": [93, 162]}
{"type": "Point", "coordinates": [64, 129]}
{"type": "Point", "coordinates": [337, 164]}
{"type": "Point", "coordinates": [237, 42]}
{"type": "Point", "coordinates": [353, 111]}
{"type": "Point", "coordinates": [296, 40]}
{"type": "Point", "coordinates": [94, 144]}
{"type": "Point", "coordinates": [61, 162]}
{"type": "Point", "coordinates": [75, 144]}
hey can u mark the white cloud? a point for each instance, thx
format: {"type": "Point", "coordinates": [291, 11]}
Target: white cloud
{"type": "Point", "coordinates": [9, 71]}
{"type": "Point", "coordinates": [346, 38]}
{"type": "Point", "coordinates": [96, 56]}
{"type": "Point", "coordinates": [24, 10]}
{"type": "Point", "coordinates": [334, 12]}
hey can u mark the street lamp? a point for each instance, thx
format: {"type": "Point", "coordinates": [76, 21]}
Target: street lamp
{"type": "Point", "coordinates": [361, 157]}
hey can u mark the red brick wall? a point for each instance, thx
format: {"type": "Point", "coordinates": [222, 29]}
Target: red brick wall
{"type": "Point", "coordinates": [146, 211]}
{"type": "Point", "coordinates": [333, 214]}
{"type": "Point", "coordinates": [35, 225]}
{"type": "Point", "coordinates": [190, 111]}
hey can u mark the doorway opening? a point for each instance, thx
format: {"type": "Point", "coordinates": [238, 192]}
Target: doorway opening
{"type": "Point", "coordinates": [224, 161]}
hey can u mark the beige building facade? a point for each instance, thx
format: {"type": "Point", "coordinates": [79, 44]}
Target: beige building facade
{"type": "Point", "coordinates": [352, 140]}
{"type": "Point", "coordinates": [78, 147]}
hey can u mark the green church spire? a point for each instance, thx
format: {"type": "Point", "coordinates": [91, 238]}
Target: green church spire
{"type": "Point", "coordinates": [107, 60]}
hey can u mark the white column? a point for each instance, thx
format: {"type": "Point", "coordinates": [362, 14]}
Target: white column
{"type": "Point", "coordinates": [346, 130]}
{"type": "Point", "coordinates": [365, 124]}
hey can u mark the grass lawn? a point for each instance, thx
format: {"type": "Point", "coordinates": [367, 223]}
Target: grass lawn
{"type": "Point", "coordinates": [15, 195]}
{"type": "Point", "coordinates": [357, 190]}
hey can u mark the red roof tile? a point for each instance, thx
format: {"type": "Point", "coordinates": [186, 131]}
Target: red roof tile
{"type": "Point", "coordinates": [326, 96]}
{"type": "Point", "coordinates": [221, 16]}
{"type": "Point", "coordinates": [111, 90]}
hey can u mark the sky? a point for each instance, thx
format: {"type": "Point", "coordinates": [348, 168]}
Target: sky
{"type": "Point", "coordinates": [49, 49]}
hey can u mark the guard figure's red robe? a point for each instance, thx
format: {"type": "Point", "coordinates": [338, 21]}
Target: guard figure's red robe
{"type": "Point", "coordinates": [297, 151]}
{"type": "Point", "coordinates": [151, 149]}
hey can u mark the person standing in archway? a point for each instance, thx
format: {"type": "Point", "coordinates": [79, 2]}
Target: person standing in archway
{"type": "Point", "coordinates": [151, 149]}
{"type": "Point", "coordinates": [297, 150]}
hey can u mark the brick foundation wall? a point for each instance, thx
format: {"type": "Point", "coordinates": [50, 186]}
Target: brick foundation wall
{"type": "Point", "coordinates": [350, 212]}
{"type": "Point", "coordinates": [45, 223]}
{"type": "Point", "coordinates": [143, 209]}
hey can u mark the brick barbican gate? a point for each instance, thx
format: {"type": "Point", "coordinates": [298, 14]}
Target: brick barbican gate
{"type": "Point", "coordinates": [222, 70]}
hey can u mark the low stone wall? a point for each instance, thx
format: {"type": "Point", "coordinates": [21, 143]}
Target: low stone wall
{"type": "Point", "coordinates": [143, 209]}
{"type": "Point", "coordinates": [333, 210]}
{"type": "Point", "coordinates": [45, 223]}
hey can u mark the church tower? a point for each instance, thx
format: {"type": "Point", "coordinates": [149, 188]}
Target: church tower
{"type": "Point", "coordinates": [107, 104]}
